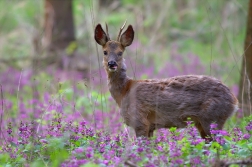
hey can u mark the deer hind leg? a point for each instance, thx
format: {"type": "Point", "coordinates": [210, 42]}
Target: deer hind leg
{"type": "Point", "coordinates": [150, 133]}
{"type": "Point", "coordinates": [203, 127]}
{"type": "Point", "coordinates": [220, 125]}
{"type": "Point", "coordinates": [142, 131]}
{"type": "Point", "coordinates": [202, 132]}
{"type": "Point", "coordinates": [151, 130]}
{"type": "Point", "coordinates": [206, 124]}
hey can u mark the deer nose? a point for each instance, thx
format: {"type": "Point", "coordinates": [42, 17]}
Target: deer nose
{"type": "Point", "coordinates": [112, 63]}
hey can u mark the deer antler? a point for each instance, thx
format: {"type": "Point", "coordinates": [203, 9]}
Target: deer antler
{"type": "Point", "coordinates": [119, 35]}
{"type": "Point", "coordinates": [107, 32]}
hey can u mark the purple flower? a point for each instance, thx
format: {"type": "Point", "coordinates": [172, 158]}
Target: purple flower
{"type": "Point", "coordinates": [44, 141]}
{"type": "Point", "coordinates": [237, 134]}
{"type": "Point", "coordinates": [106, 162]}
{"type": "Point", "coordinates": [117, 138]}
{"type": "Point", "coordinates": [206, 152]}
{"type": "Point", "coordinates": [178, 161]}
{"type": "Point", "coordinates": [107, 138]}
{"type": "Point", "coordinates": [79, 150]}
{"type": "Point", "coordinates": [74, 137]}
{"type": "Point", "coordinates": [176, 153]}
{"type": "Point", "coordinates": [9, 131]}
{"type": "Point", "coordinates": [76, 129]}
{"type": "Point", "coordinates": [102, 147]}
{"type": "Point", "coordinates": [193, 132]}
{"type": "Point", "coordinates": [195, 160]}
{"type": "Point", "coordinates": [246, 136]}
{"type": "Point", "coordinates": [249, 126]}
{"type": "Point", "coordinates": [140, 149]}
{"type": "Point", "coordinates": [159, 148]}
{"type": "Point", "coordinates": [89, 152]}
{"type": "Point", "coordinates": [223, 133]}
{"type": "Point", "coordinates": [10, 139]}
{"type": "Point", "coordinates": [83, 123]}
{"type": "Point", "coordinates": [196, 141]}
{"type": "Point", "coordinates": [90, 132]}
{"type": "Point", "coordinates": [220, 140]}
{"type": "Point", "coordinates": [150, 165]}
{"type": "Point", "coordinates": [213, 126]}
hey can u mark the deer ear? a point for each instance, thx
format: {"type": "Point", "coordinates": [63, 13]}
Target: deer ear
{"type": "Point", "coordinates": [100, 36]}
{"type": "Point", "coordinates": [127, 37]}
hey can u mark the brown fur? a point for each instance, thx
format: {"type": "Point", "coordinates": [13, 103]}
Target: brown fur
{"type": "Point", "coordinates": [151, 104]}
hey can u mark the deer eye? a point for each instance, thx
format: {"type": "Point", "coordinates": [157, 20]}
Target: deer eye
{"type": "Point", "coordinates": [120, 54]}
{"type": "Point", "coordinates": [105, 52]}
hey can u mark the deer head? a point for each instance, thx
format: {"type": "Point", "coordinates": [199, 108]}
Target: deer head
{"type": "Point", "coordinates": [113, 50]}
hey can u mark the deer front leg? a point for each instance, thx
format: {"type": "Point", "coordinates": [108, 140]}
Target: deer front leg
{"type": "Point", "coordinates": [142, 128]}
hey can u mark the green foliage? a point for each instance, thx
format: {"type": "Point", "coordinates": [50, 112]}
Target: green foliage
{"type": "Point", "coordinates": [90, 165]}
{"type": "Point", "coordinates": [131, 2]}
{"type": "Point", "coordinates": [4, 159]}
{"type": "Point", "coordinates": [71, 48]}
{"type": "Point", "coordinates": [56, 151]}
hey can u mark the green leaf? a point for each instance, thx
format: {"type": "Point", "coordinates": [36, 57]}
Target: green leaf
{"type": "Point", "coordinates": [90, 165]}
{"type": "Point", "coordinates": [228, 139]}
{"type": "Point", "coordinates": [242, 142]}
{"type": "Point", "coordinates": [58, 156]}
{"type": "Point", "coordinates": [38, 163]}
{"type": "Point", "coordinates": [243, 153]}
{"type": "Point", "coordinates": [173, 129]}
{"type": "Point", "coordinates": [226, 146]}
{"type": "Point", "coordinates": [199, 146]}
{"type": "Point", "coordinates": [71, 48]}
{"type": "Point", "coordinates": [77, 143]}
{"type": "Point", "coordinates": [249, 146]}
{"type": "Point", "coordinates": [215, 145]}
{"type": "Point", "coordinates": [4, 158]}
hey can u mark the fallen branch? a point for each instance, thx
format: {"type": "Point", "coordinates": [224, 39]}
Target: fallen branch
{"type": "Point", "coordinates": [240, 162]}
{"type": "Point", "coordinates": [130, 164]}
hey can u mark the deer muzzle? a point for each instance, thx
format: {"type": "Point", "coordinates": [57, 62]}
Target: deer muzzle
{"type": "Point", "coordinates": [112, 65]}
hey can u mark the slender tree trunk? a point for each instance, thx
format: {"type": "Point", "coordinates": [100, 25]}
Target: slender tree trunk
{"type": "Point", "coordinates": [181, 6]}
{"type": "Point", "coordinates": [105, 3]}
{"type": "Point", "coordinates": [109, 4]}
{"type": "Point", "coordinates": [245, 81]}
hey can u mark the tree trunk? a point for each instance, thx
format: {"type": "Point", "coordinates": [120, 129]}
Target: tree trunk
{"type": "Point", "coordinates": [181, 6]}
{"type": "Point", "coordinates": [59, 34]}
{"type": "Point", "coordinates": [246, 78]}
{"type": "Point", "coordinates": [59, 24]}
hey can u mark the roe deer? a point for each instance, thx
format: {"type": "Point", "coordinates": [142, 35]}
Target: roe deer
{"type": "Point", "coordinates": [150, 104]}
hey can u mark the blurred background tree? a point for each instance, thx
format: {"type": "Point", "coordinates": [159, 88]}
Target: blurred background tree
{"type": "Point", "coordinates": [245, 89]}
{"type": "Point", "coordinates": [59, 35]}
{"type": "Point", "coordinates": [110, 5]}
{"type": "Point", "coordinates": [59, 30]}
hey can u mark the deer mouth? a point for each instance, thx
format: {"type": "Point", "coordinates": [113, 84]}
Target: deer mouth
{"type": "Point", "coordinates": [113, 67]}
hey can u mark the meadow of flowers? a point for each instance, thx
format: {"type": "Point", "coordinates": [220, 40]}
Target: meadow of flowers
{"type": "Point", "coordinates": [57, 118]}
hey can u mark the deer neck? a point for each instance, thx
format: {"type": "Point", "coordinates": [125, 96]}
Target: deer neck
{"type": "Point", "coordinates": [118, 83]}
